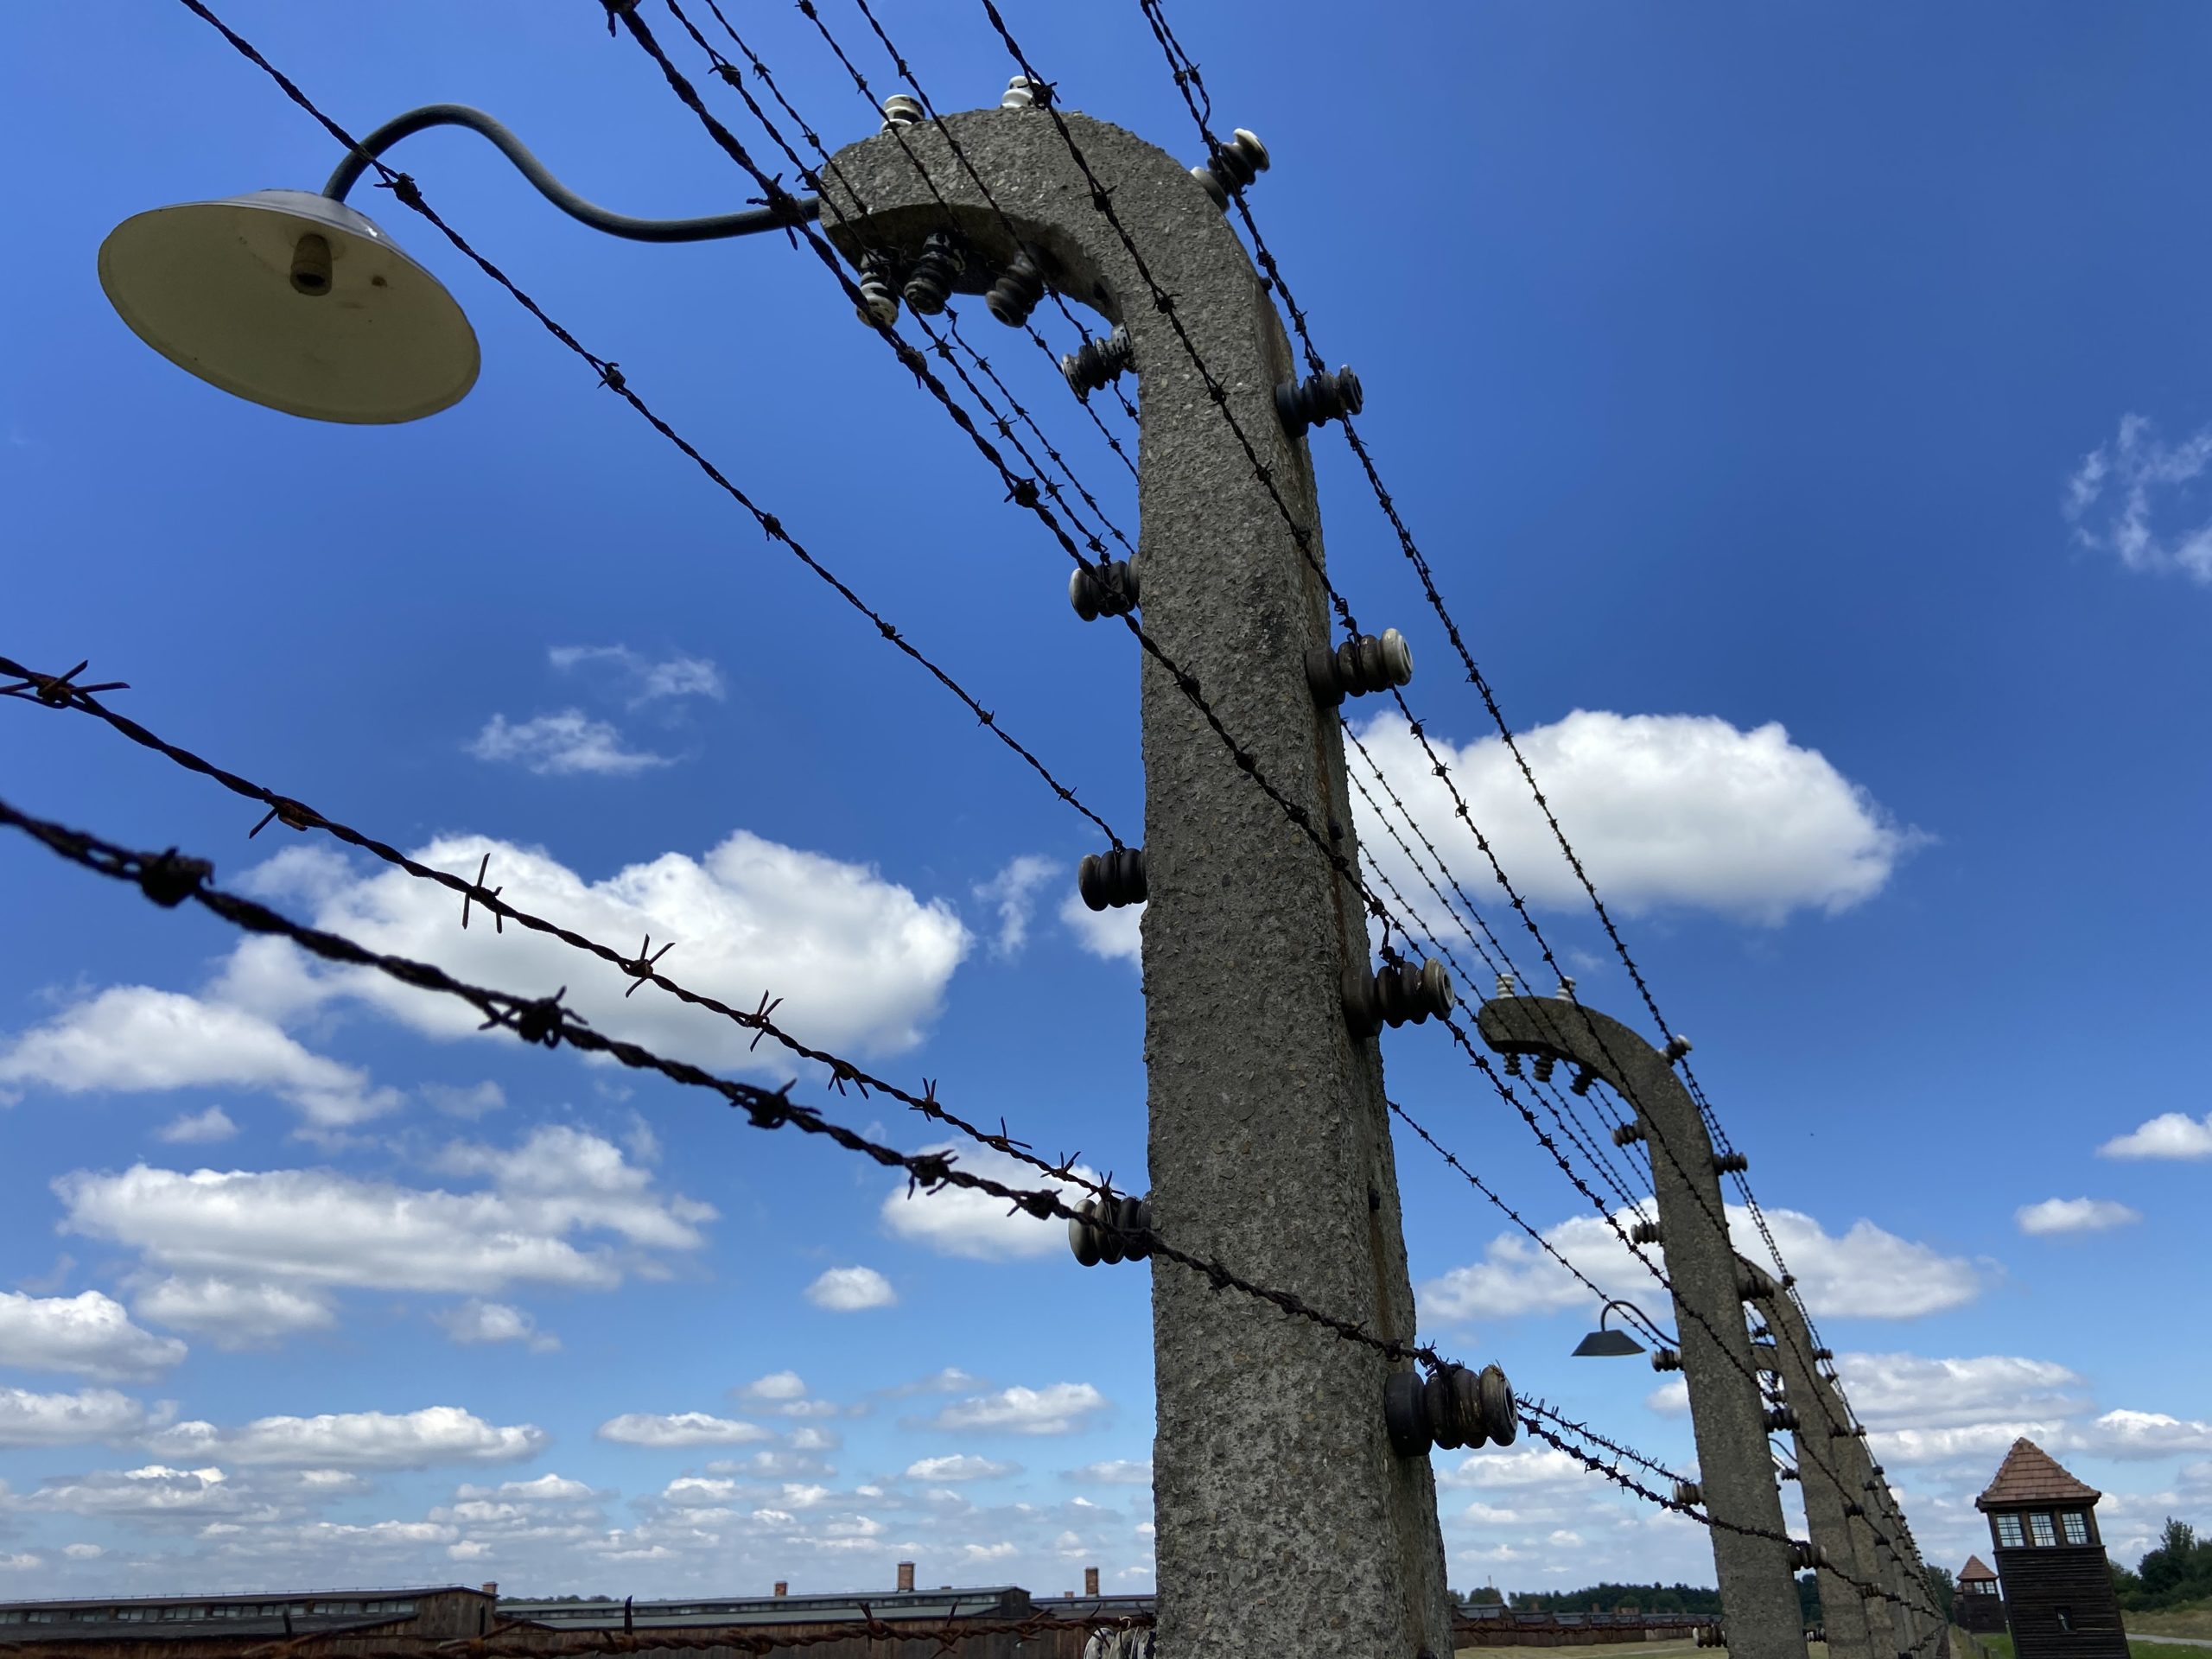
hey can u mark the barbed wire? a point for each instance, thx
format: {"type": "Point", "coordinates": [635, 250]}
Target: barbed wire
{"type": "Point", "coordinates": [405, 189]}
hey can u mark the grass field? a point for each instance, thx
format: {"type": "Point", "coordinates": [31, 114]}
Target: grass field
{"type": "Point", "coordinates": [2195, 1620]}
{"type": "Point", "coordinates": [2139, 1645]}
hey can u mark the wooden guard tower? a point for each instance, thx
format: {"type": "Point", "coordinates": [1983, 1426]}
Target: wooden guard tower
{"type": "Point", "coordinates": [1979, 1607]}
{"type": "Point", "coordinates": [2057, 1584]}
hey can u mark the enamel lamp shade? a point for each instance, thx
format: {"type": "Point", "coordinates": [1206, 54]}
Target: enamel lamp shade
{"type": "Point", "coordinates": [295, 300]}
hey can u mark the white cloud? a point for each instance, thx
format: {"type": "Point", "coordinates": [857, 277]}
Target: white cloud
{"type": "Point", "coordinates": [2170, 1135]}
{"type": "Point", "coordinates": [1115, 1472]}
{"type": "Point", "coordinates": [132, 1038]}
{"type": "Point", "coordinates": [1522, 1467]}
{"type": "Point", "coordinates": [859, 963]}
{"type": "Point", "coordinates": [88, 1333]}
{"type": "Point", "coordinates": [2074, 1216]}
{"type": "Point", "coordinates": [154, 1493]}
{"type": "Point", "coordinates": [1057, 1409]}
{"type": "Point", "coordinates": [305, 1233]}
{"type": "Point", "coordinates": [79, 1419]}
{"type": "Point", "coordinates": [358, 1440]}
{"type": "Point", "coordinates": [1013, 892]}
{"type": "Point", "coordinates": [197, 1129]}
{"type": "Point", "coordinates": [851, 1290]}
{"type": "Point", "coordinates": [964, 1222]}
{"type": "Point", "coordinates": [233, 1312]}
{"type": "Point", "coordinates": [544, 1489]}
{"type": "Point", "coordinates": [780, 1386]}
{"type": "Point", "coordinates": [2109, 499]}
{"type": "Point", "coordinates": [474, 1102]}
{"type": "Point", "coordinates": [563, 744]}
{"type": "Point", "coordinates": [1900, 1390]}
{"type": "Point", "coordinates": [474, 1322]}
{"type": "Point", "coordinates": [1866, 1273]}
{"type": "Point", "coordinates": [959, 1466]}
{"type": "Point", "coordinates": [83, 1552]}
{"type": "Point", "coordinates": [646, 678]}
{"type": "Point", "coordinates": [1116, 935]}
{"type": "Point", "coordinates": [1666, 811]}
{"type": "Point", "coordinates": [680, 1428]}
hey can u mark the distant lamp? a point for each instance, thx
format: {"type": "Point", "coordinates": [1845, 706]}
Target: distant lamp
{"type": "Point", "coordinates": [295, 300]}
{"type": "Point", "coordinates": [1602, 1344]}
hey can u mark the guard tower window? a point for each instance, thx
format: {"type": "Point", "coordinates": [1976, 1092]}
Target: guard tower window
{"type": "Point", "coordinates": [2040, 1529]}
{"type": "Point", "coordinates": [2076, 1525]}
{"type": "Point", "coordinates": [2065, 1618]}
{"type": "Point", "coordinates": [2009, 1535]}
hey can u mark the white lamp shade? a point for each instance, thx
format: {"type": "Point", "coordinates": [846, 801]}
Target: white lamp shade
{"type": "Point", "coordinates": [371, 338]}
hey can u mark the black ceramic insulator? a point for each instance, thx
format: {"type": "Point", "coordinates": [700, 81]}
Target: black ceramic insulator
{"type": "Point", "coordinates": [1364, 663]}
{"type": "Point", "coordinates": [1782, 1417]}
{"type": "Point", "coordinates": [938, 268]}
{"type": "Point", "coordinates": [878, 288]}
{"type": "Point", "coordinates": [1405, 1413]}
{"type": "Point", "coordinates": [1501, 1415]}
{"type": "Point", "coordinates": [1108, 591]}
{"type": "Point", "coordinates": [1513, 1065]}
{"type": "Point", "coordinates": [1098, 363]}
{"type": "Point", "coordinates": [1442, 1409]}
{"type": "Point", "coordinates": [1627, 1135]}
{"type": "Point", "coordinates": [1804, 1555]}
{"type": "Point", "coordinates": [1235, 165]}
{"type": "Point", "coordinates": [1545, 1064]}
{"type": "Point", "coordinates": [1099, 1235]}
{"type": "Point", "coordinates": [1109, 880]}
{"type": "Point", "coordinates": [1731, 1163]}
{"type": "Point", "coordinates": [1666, 1359]}
{"type": "Point", "coordinates": [1689, 1492]}
{"type": "Point", "coordinates": [1320, 398]}
{"type": "Point", "coordinates": [1645, 1232]}
{"type": "Point", "coordinates": [1015, 295]}
{"type": "Point", "coordinates": [1397, 994]}
{"type": "Point", "coordinates": [1584, 1077]}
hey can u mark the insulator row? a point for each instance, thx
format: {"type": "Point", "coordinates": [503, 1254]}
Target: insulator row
{"type": "Point", "coordinates": [1455, 1407]}
{"type": "Point", "coordinates": [1805, 1555]}
{"type": "Point", "coordinates": [1854, 1432]}
{"type": "Point", "coordinates": [1121, 1235]}
{"type": "Point", "coordinates": [1666, 1359]}
{"type": "Point", "coordinates": [1584, 1077]}
{"type": "Point", "coordinates": [1689, 1492]}
{"type": "Point", "coordinates": [1023, 93]}
{"type": "Point", "coordinates": [1397, 994]}
{"type": "Point", "coordinates": [1109, 880]}
{"type": "Point", "coordinates": [1235, 165]}
{"type": "Point", "coordinates": [1098, 363]}
{"type": "Point", "coordinates": [1647, 1232]}
{"type": "Point", "coordinates": [1678, 1045]}
{"type": "Point", "coordinates": [1362, 663]}
{"type": "Point", "coordinates": [930, 284]}
{"type": "Point", "coordinates": [1322, 398]}
{"type": "Point", "coordinates": [1015, 295]}
{"type": "Point", "coordinates": [1781, 1417]}
{"type": "Point", "coordinates": [1823, 1353]}
{"type": "Point", "coordinates": [1109, 588]}
{"type": "Point", "coordinates": [1712, 1635]}
{"type": "Point", "coordinates": [901, 111]}
{"type": "Point", "coordinates": [1627, 1135]}
{"type": "Point", "coordinates": [1754, 1285]}
{"type": "Point", "coordinates": [1731, 1163]}
{"type": "Point", "coordinates": [1546, 1063]}
{"type": "Point", "coordinates": [1852, 1510]}
{"type": "Point", "coordinates": [878, 288]}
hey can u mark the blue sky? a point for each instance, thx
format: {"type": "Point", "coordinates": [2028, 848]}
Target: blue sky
{"type": "Point", "coordinates": [1805, 417]}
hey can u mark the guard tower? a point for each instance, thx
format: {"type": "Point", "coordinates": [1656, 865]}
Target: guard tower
{"type": "Point", "coordinates": [2058, 1597]}
{"type": "Point", "coordinates": [1979, 1607]}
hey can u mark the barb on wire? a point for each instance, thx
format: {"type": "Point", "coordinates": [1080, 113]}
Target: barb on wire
{"type": "Point", "coordinates": [771, 525]}
{"type": "Point", "coordinates": [58, 690]}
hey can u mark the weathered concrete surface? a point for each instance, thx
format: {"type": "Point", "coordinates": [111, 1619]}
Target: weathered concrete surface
{"type": "Point", "coordinates": [1821, 1461]}
{"type": "Point", "coordinates": [1285, 1524]}
{"type": "Point", "coordinates": [1758, 1589]}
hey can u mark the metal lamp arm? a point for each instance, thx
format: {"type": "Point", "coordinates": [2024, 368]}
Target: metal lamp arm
{"type": "Point", "coordinates": [711, 228]}
{"type": "Point", "coordinates": [1650, 1325]}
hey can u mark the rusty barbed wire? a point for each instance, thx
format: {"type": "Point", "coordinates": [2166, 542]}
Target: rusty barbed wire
{"type": "Point", "coordinates": [403, 186]}
{"type": "Point", "coordinates": [169, 879]}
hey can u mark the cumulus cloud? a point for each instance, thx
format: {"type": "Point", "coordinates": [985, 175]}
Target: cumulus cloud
{"type": "Point", "coordinates": [1865, 1273]}
{"type": "Point", "coordinates": [680, 1428]}
{"type": "Point", "coordinates": [964, 1222]}
{"type": "Point", "coordinates": [1012, 893]}
{"type": "Point", "coordinates": [1666, 811]}
{"type": "Point", "coordinates": [2124, 497]}
{"type": "Point", "coordinates": [2170, 1135]}
{"type": "Point", "coordinates": [135, 1039]}
{"type": "Point", "coordinates": [197, 1129]}
{"type": "Point", "coordinates": [851, 1290]}
{"type": "Point", "coordinates": [860, 963]}
{"type": "Point", "coordinates": [249, 1256]}
{"type": "Point", "coordinates": [1116, 935]}
{"type": "Point", "coordinates": [960, 1466]}
{"type": "Point", "coordinates": [1893, 1390]}
{"type": "Point", "coordinates": [570, 743]}
{"type": "Point", "coordinates": [1057, 1409]}
{"type": "Point", "coordinates": [87, 1333]}
{"type": "Point", "coordinates": [357, 1439]}
{"type": "Point", "coordinates": [644, 679]}
{"type": "Point", "coordinates": [152, 1494]}
{"type": "Point", "coordinates": [79, 1419]}
{"type": "Point", "coordinates": [1115, 1472]}
{"type": "Point", "coordinates": [475, 1322]}
{"type": "Point", "coordinates": [2055, 1216]}
{"type": "Point", "coordinates": [1524, 1466]}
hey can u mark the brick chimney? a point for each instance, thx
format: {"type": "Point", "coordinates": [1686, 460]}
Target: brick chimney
{"type": "Point", "coordinates": [1089, 1580]}
{"type": "Point", "coordinates": [781, 1589]}
{"type": "Point", "coordinates": [492, 1588]}
{"type": "Point", "coordinates": [905, 1575]}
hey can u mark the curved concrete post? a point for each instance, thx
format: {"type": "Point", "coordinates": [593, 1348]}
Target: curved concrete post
{"type": "Point", "coordinates": [1821, 1465]}
{"type": "Point", "coordinates": [1758, 1588]}
{"type": "Point", "coordinates": [1285, 1522]}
